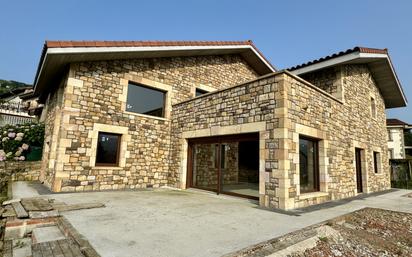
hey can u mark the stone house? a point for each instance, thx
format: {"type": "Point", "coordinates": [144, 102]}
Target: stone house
{"type": "Point", "coordinates": [215, 116]}
{"type": "Point", "coordinates": [399, 144]}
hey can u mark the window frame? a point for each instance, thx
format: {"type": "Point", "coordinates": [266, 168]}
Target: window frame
{"type": "Point", "coordinates": [373, 107]}
{"type": "Point", "coordinates": [202, 90]}
{"type": "Point", "coordinates": [99, 164]}
{"type": "Point", "coordinates": [316, 164]}
{"type": "Point", "coordinates": [164, 105]}
{"type": "Point", "coordinates": [376, 160]}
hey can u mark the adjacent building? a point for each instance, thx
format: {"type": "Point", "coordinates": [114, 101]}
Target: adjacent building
{"type": "Point", "coordinates": [399, 139]}
{"type": "Point", "coordinates": [215, 116]}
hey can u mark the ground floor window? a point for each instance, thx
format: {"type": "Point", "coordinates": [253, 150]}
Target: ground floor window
{"type": "Point", "coordinates": [108, 148]}
{"type": "Point", "coordinates": [308, 165]}
{"type": "Point", "coordinates": [376, 161]}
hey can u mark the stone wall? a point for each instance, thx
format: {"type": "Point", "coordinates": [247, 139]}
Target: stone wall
{"type": "Point", "coordinates": [94, 100]}
{"type": "Point", "coordinates": [289, 107]}
{"type": "Point", "coordinates": [19, 171]}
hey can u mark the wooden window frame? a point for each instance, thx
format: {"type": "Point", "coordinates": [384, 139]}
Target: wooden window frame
{"type": "Point", "coordinates": [154, 89]}
{"type": "Point", "coordinates": [376, 159]}
{"type": "Point", "coordinates": [98, 164]}
{"type": "Point", "coordinates": [316, 163]}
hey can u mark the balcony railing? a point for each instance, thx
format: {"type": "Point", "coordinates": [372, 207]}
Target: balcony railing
{"type": "Point", "coordinates": [13, 108]}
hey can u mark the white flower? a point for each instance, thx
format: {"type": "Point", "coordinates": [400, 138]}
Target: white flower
{"type": "Point", "coordinates": [11, 135]}
{"type": "Point", "coordinates": [9, 154]}
{"type": "Point", "coordinates": [18, 138]}
{"type": "Point", "coordinates": [17, 153]}
{"type": "Point", "coordinates": [2, 153]}
{"type": "Point", "coordinates": [5, 139]}
{"type": "Point", "coordinates": [25, 146]}
{"type": "Point", "coordinates": [20, 134]}
{"type": "Point", "coordinates": [21, 158]}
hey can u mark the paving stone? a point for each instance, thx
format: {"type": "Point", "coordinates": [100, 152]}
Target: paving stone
{"type": "Point", "coordinates": [46, 234]}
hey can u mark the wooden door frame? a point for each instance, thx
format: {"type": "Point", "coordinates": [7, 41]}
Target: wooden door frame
{"type": "Point", "coordinates": [358, 170]}
{"type": "Point", "coordinates": [216, 140]}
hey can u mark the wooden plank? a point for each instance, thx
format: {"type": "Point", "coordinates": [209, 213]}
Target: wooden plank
{"type": "Point", "coordinates": [45, 249]}
{"type": "Point", "coordinates": [64, 246]}
{"type": "Point", "coordinates": [20, 211]}
{"type": "Point", "coordinates": [36, 250]}
{"type": "Point", "coordinates": [43, 214]}
{"type": "Point", "coordinates": [8, 248]}
{"type": "Point", "coordinates": [8, 212]}
{"type": "Point", "coordinates": [36, 204]}
{"type": "Point", "coordinates": [75, 249]}
{"type": "Point", "coordinates": [55, 247]}
{"type": "Point", "coordinates": [11, 201]}
{"type": "Point", "coordinates": [80, 206]}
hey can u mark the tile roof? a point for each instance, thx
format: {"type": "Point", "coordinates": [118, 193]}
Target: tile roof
{"type": "Point", "coordinates": [62, 44]}
{"type": "Point", "coordinates": [349, 51]}
{"type": "Point", "coordinates": [395, 122]}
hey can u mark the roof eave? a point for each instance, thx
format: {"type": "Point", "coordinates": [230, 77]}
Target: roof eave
{"type": "Point", "coordinates": [249, 52]}
{"type": "Point", "coordinates": [359, 57]}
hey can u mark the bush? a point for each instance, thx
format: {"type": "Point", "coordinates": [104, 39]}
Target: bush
{"type": "Point", "coordinates": [17, 140]}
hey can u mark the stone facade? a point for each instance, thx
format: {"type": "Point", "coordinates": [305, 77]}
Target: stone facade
{"type": "Point", "coordinates": [19, 171]}
{"type": "Point", "coordinates": [92, 98]}
{"type": "Point", "coordinates": [282, 107]}
{"type": "Point", "coordinates": [340, 107]}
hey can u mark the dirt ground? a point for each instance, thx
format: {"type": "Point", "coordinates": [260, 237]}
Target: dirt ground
{"type": "Point", "coordinates": [367, 232]}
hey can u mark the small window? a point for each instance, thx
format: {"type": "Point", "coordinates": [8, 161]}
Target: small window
{"type": "Point", "coordinates": [145, 100]}
{"type": "Point", "coordinates": [376, 161]}
{"type": "Point", "coordinates": [108, 148]}
{"type": "Point", "coordinates": [200, 92]}
{"type": "Point", "coordinates": [390, 153]}
{"type": "Point", "coordinates": [390, 135]}
{"type": "Point", "coordinates": [373, 107]}
{"type": "Point", "coordinates": [223, 156]}
{"type": "Point", "coordinates": [308, 165]}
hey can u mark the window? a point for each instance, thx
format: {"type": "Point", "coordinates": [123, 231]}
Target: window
{"type": "Point", "coordinates": [108, 148]}
{"type": "Point", "coordinates": [390, 153]}
{"type": "Point", "coordinates": [144, 100]}
{"type": "Point", "coordinates": [376, 161]}
{"type": "Point", "coordinates": [223, 149]}
{"type": "Point", "coordinates": [390, 135]}
{"type": "Point", "coordinates": [199, 92]}
{"type": "Point", "coordinates": [373, 107]}
{"type": "Point", "coordinates": [308, 165]}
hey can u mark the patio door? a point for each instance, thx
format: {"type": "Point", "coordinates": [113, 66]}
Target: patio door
{"type": "Point", "coordinates": [228, 164]}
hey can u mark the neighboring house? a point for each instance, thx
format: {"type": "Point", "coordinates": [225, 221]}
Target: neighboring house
{"type": "Point", "coordinates": [215, 116]}
{"type": "Point", "coordinates": [399, 139]}
{"type": "Point", "coordinates": [15, 108]}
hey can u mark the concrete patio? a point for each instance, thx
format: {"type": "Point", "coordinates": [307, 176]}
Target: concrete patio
{"type": "Point", "coordinates": [191, 223]}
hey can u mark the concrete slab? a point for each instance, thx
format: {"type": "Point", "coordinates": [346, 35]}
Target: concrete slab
{"type": "Point", "coordinates": [47, 234]}
{"type": "Point", "coordinates": [190, 223]}
{"type": "Point", "coordinates": [22, 247]}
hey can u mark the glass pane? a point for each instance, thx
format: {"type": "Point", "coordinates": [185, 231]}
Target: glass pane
{"type": "Point", "coordinates": [205, 168]}
{"type": "Point", "coordinates": [200, 92]}
{"type": "Point", "coordinates": [240, 167]}
{"type": "Point", "coordinates": [107, 149]}
{"type": "Point", "coordinates": [145, 100]}
{"type": "Point", "coordinates": [307, 165]}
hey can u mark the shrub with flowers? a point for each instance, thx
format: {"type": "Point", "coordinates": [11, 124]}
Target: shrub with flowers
{"type": "Point", "coordinates": [16, 140]}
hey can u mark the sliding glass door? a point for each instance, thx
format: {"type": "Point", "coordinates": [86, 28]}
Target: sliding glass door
{"type": "Point", "coordinates": [228, 164]}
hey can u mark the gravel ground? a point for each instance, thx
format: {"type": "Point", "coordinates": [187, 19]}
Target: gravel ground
{"type": "Point", "coordinates": [367, 232]}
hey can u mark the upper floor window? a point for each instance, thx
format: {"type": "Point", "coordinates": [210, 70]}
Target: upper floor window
{"type": "Point", "coordinates": [390, 135]}
{"type": "Point", "coordinates": [373, 107]}
{"type": "Point", "coordinates": [108, 148]}
{"type": "Point", "coordinates": [199, 92]}
{"type": "Point", "coordinates": [390, 153]}
{"type": "Point", "coordinates": [145, 100]}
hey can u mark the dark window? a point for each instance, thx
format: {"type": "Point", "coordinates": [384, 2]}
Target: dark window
{"type": "Point", "coordinates": [200, 92]}
{"type": "Point", "coordinates": [144, 100]}
{"type": "Point", "coordinates": [308, 165]}
{"type": "Point", "coordinates": [223, 156]}
{"type": "Point", "coordinates": [376, 159]}
{"type": "Point", "coordinates": [108, 145]}
{"type": "Point", "coordinates": [373, 107]}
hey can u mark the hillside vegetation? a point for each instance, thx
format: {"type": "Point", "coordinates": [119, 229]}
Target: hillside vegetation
{"type": "Point", "coordinates": [6, 85]}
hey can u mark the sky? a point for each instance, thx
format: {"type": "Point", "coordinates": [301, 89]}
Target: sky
{"type": "Point", "coordinates": [287, 32]}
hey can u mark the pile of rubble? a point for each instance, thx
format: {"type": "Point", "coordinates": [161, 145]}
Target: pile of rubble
{"type": "Point", "coordinates": [34, 227]}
